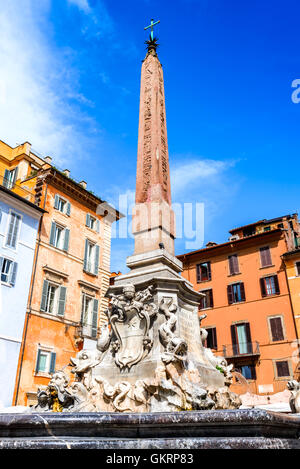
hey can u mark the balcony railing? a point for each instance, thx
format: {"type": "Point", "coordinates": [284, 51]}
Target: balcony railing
{"type": "Point", "coordinates": [242, 349]}
{"type": "Point", "coordinates": [19, 190]}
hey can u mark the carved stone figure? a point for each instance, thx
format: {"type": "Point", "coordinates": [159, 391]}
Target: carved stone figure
{"type": "Point", "coordinates": [175, 347]}
{"type": "Point", "coordinates": [83, 364]}
{"type": "Point", "coordinates": [294, 387]}
{"type": "Point", "coordinates": [60, 396]}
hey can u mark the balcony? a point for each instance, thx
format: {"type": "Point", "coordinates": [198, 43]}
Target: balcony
{"type": "Point", "coordinates": [243, 349]}
{"type": "Point", "coordinates": [16, 189]}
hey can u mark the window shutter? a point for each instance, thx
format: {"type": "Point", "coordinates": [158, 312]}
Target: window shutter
{"type": "Point", "coordinates": [248, 336]}
{"type": "Point", "coordinates": [243, 296]}
{"type": "Point", "coordinates": [95, 318]}
{"type": "Point", "coordinates": [52, 233]}
{"type": "Point", "coordinates": [1, 263]}
{"type": "Point", "coordinates": [82, 309]}
{"type": "Point", "coordinates": [298, 268]}
{"type": "Point", "coordinates": [211, 299]}
{"type": "Point", "coordinates": [87, 220]}
{"type": "Point", "coordinates": [282, 369]}
{"type": "Point", "coordinates": [85, 255]}
{"type": "Point", "coordinates": [233, 264]}
{"type": "Point", "coordinates": [68, 211]}
{"type": "Point", "coordinates": [198, 271]}
{"type": "Point", "coordinates": [277, 290]}
{"type": "Point", "coordinates": [96, 264]}
{"type": "Point", "coordinates": [233, 339]}
{"type": "Point", "coordinates": [263, 287]}
{"type": "Point", "coordinates": [15, 175]}
{"type": "Point", "coordinates": [276, 329]}
{"type": "Point", "coordinates": [209, 270]}
{"type": "Point", "coordinates": [37, 361]}
{"type": "Point", "coordinates": [56, 201]}
{"type": "Point", "coordinates": [214, 338]}
{"type": "Point", "coordinates": [62, 301]}
{"type": "Point", "coordinates": [10, 230]}
{"type": "Point", "coordinates": [98, 226]}
{"type": "Point", "coordinates": [230, 294]}
{"type": "Point", "coordinates": [44, 295]}
{"type": "Point", "coordinates": [6, 178]}
{"type": "Point", "coordinates": [52, 362]}
{"type": "Point", "coordinates": [13, 274]}
{"type": "Point", "coordinates": [66, 240]}
{"type": "Point", "coordinates": [265, 256]}
{"type": "Point", "coordinates": [15, 230]}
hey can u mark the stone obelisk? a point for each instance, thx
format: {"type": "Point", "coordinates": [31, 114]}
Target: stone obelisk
{"type": "Point", "coordinates": [153, 264]}
{"type": "Point", "coordinates": [153, 218]}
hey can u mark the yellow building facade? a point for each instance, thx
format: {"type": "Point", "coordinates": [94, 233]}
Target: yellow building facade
{"type": "Point", "coordinates": [71, 270]}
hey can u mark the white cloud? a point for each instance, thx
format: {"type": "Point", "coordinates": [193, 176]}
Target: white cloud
{"type": "Point", "coordinates": [195, 171]}
{"type": "Point", "coordinates": [36, 84]}
{"type": "Point", "coordinates": [83, 5]}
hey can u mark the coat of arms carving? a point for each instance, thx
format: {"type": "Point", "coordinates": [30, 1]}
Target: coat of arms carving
{"type": "Point", "coordinates": [130, 315]}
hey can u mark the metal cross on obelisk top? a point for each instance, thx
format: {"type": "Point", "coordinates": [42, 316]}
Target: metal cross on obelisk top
{"type": "Point", "coordinates": [151, 26]}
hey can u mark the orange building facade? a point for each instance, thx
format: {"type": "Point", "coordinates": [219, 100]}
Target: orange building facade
{"type": "Point", "coordinates": [71, 268]}
{"type": "Point", "coordinates": [247, 308]}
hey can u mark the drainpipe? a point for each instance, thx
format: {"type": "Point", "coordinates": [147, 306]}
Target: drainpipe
{"type": "Point", "coordinates": [30, 299]}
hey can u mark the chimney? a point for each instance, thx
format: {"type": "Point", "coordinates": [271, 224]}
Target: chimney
{"type": "Point", "coordinates": [83, 184]}
{"type": "Point", "coordinates": [66, 172]}
{"type": "Point", "coordinates": [48, 159]}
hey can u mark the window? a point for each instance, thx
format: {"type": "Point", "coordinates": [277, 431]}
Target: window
{"type": "Point", "coordinates": [203, 272]}
{"type": "Point", "coordinates": [282, 369]}
{"type": "Point", "coordinates": [248, 371]}
{"type": "Point", "coordinates": [45, 362]}
{"type": "Point", "coordinates": [91, 257]}
{"type": "Point", "coordinates": [211, 340]}
{"type": "Point", "coordinates": [89, 316]}
{"type": "Point", "coordinates": [207, 300]}
{"type": "Point", "coordinates": [62, 205]}
{"type": "Point", "coordinates": [241, 339]}
{"type": "Point", "coordinates": [236, 293]}
{"type": "Point", "coordinates": [10, 177]}
{"type": "Point", "coordinates": [92, 222]}
{"type": "Point", "coordinates": [276, 328]}
{"type": "Point", "coordinates": [280, 225]}
{"type": "Point", "coordinates": [265, 256]}
{"type": "Point", "coordinates": [249, 231]}
{"type": "Point", "coordinates": [59, 236]}
{"type": "Point", "coordinates": [53, 298]}
{"type": "Point", "coordinates": [269, 286]}
{"type": "Point", "coordinates": [267, 228]}
{"type": "Point", "coordinates": [13, 230]}
{"type": "Point", "coordinates": [233, 264]}
{"type": "Point", "coordinates": [8, 269]}
{"type": "Point", "coordinates": [298, 268]}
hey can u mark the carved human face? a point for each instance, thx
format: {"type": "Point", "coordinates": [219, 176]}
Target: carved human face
{"type": "Point", "coordinates": [59, 380]}
{"type": "Point", "coordinates": [129, 292]}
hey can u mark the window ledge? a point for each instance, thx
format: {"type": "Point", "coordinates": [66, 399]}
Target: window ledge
{"type": "Point", "coordinates": [41, 374]}
{"type": "Point", "coordinates": [62, 213]}
{"type": "Point", "coordinates": [267, 267]}
{"type": "Point", "coordinates": [237, 302]}
{"type": "Point", "coordinates": [90, 273]}
{"type": "Point", "coordinates": [205, 309]}
{"type": "Point", "coordinates": [6, 284]}
{"type": "Point", "coordinates": [204, 281]}
{"type": "Point", "coordinates": [232, 275]}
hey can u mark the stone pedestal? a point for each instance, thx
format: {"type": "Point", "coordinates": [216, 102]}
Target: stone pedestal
{"type": "Point", "coordinates": [223, 429]}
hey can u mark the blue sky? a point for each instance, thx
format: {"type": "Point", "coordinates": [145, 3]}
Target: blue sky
{"type": "Point", "coordinates": [69, 84]}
